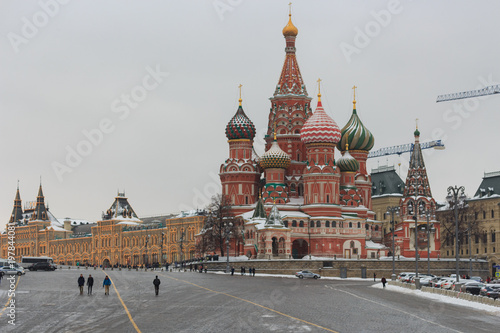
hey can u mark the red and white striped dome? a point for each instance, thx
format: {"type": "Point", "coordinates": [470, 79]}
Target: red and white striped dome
{"type": "Point", "coordinates": [320, 128]}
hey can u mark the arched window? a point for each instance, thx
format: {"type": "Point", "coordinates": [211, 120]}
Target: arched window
{"type": "Point", "coordinates": [376, 228]}
{"type": "Point", "coordinates": [294, 223]}
{"type": "Point", "coordinates": [350, 224]}
{"type": "Point", "coordinates": [285, 223]}
{"type": "Point", "coordinates": [311, 224]}
{"type": "Point", "coordinates": [318, 224]}
{"type": "Point", "coordinates": [359, 224]}
{"type": "Point", "coordinates": [301, 224]}
{"type": "Point", "coordinates": [327, 224]}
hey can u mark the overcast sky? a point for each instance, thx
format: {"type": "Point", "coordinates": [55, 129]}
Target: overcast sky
{"type": "Point", "coordinates": [97, 96]}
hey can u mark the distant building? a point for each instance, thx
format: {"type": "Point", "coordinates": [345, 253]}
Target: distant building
{"type": "Point", "coordinates": [483, 211]}
{"type": "Point", "coordinates": [119, 238]}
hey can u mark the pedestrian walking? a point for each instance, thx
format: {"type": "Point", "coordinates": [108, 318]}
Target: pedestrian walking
{"type": "Point", "coordinates": [105, 284]}
{"type": "Point", "coordinates": [253, 271]}
{"type": "Point", "coordinates": [374, 276]}
{"type": "Point", "coordinates": [1, 277]}
{"type": "Point", "coordinates": [90, 284]}
{"type": "Point", "coordinates": [81, 283]}
{"type": "Point", "coordinates": [384, 281]}
{"type": "Point", "coordinates": [156, 283]}
{"type": "Point", "coordinates": [232, 270]}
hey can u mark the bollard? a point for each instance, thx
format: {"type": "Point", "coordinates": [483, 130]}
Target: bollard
{"type": "Point", "coordinates": [78, 267]}
{"type": "Point", "coordinates": [95, 268]}
{"type": "Point", "coordinates": [86, 267]}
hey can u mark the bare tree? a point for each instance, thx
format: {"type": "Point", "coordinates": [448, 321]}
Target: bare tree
{"type": "Point", "coordinates": [214, 232]}
{"type": "Point", "coordinates": [468, 222]}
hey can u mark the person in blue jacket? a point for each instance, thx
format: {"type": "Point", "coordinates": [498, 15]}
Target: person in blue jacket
{"type": "Point", "coordinates": [106, 284]}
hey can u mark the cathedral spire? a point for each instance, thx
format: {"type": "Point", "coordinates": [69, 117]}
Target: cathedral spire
{"type": "Point", "coordinates": [40, 213]}
{"type": "Point", "coordinates": [290, 81]}
{"type": "Point", "coordinates": [417, 173]}
{"type": "Point", "coordinates": [17, 211]}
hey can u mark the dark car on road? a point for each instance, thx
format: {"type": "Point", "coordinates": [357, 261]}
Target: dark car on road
{"type": "Point", "coordinates": [473, 288]}
{"type": "Point", "coordinates": [490, 291]}
{"type": "Point", "coordinates": [42, 266]}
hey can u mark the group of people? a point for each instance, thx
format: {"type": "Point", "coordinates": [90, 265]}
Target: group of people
{"type": "Point", "coordinates": [106, 283]}
{"type": "Point", "coordinates": [251, 271]}
{"type": "Point", "coordinates": [90, 283]}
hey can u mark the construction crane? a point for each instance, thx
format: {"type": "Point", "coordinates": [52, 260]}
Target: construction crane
{"type": "Point", "coordinates": [436, 144]}
{"type": "Point", "coordinates": [491, 90]}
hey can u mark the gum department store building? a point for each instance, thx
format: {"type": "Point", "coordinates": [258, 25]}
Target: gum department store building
{"type": "Point", "coordinates": [296, 199]}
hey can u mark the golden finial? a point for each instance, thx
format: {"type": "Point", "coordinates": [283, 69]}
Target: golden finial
{"type": "Point", "coordinates": [274, 131]}
{"type": "Point", "coordinates": [354, 99]}
{"type": "Point", "coordinates": [290, 29]}
{"type": "Point", "coordinates": [346, 147]}
{"type": "Point", "coordinates": [416, 123]}
{"type": "Point", "coordinates": [240, 93]}
{"type": "Point", "coordinates": [319, 89]}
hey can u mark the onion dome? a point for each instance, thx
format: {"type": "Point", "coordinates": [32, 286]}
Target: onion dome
{"type": "Point", "coordinates": [240, 126]}
{"type": "Point", "coordinates": [356, 134]}
{"type": "Point", "coordinates": [320, 127]}
{"type": "Point", "coordinates": [347, 163]}
{"type": "Point", "coordinates": [275, 157]}
{"type": "Point", "coordinates": [290, 29]}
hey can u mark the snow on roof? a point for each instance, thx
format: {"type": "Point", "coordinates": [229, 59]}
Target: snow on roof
{"type": "Point", "coordinates": [56, 228]}
{"type": "Point", "coordinates": [128, 223]}
{"type": "Point", "coordinates": [374, 246]}
{"type": "Point", "coordinates": [189, 213]}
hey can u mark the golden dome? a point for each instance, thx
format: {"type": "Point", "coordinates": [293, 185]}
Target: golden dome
{"type": "Point", "coordinates": [290, 29]}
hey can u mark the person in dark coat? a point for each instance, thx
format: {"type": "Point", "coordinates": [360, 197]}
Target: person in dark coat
{"type": "Point", "coordinates": [90, 284]}
{"type": "Point", "coordinates": [106, 283]}
{"type": "Point", "coordinates": [384, 281]}
{"type": "Point", "coordinates": [232, 270]}
{"type": "Point", "coordinates": [156, 283]}
{"type": "Point", "coordinates": [253, 271]}
{"type": "Point", "coordinates": [81, 283]}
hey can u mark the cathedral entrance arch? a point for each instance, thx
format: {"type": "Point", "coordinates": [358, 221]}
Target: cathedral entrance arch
{"type": "Point", "coordinates": [275, 247]}
{"type": "Point", "coordinates": [299, 248]}
{"type": "Point", "coordinates": [106, 263]}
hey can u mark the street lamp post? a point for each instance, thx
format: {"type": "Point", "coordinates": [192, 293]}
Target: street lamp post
{"type": "Point", "coordinates": [147, 241]}
{"type": "Point", "coordinates": [469, 230]}
{"type": "Point", "coordinates": [428, 213]}
{"type": "Point", "coordinates": [228, 234]}
{"type": "Point", "coordinates": [456, 194]}
{"type": "Point", "coordinates": [161, 258]}
{"type": "Point", "coordinates": [392, 210]}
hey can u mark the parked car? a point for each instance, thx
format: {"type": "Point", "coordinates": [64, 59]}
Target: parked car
{"type": "Point", "coordinates": [447, 284]}
{"type": "Point", "coordinates": [407, 278]}
{"type": "Point", "coordinates": [476, 278]}
{"type": "Point", "coordinates": [42, 266]}
{"type": "Point", "coordinates": [307, 274]}
{"type": "Point", "coordinates": [426, 280]}
{"type": "Point", "coordinates": [403, 275]}
{"type": "Point", "coordinates": [472, 287]}
{"type": "Point", "coordinates": [490, 291]}
{"type": "Point", "coordinates": [11, 271]}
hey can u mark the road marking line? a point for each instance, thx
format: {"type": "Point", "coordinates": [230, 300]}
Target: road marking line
{"type": "Point", "coordinates": [124, 306]}
{"type": "Point", "coordinates": [8, 301]}
{"type": "Point", "coordinates": [396, 309]}
{"type": "Point", "coordinates": [253, 303]}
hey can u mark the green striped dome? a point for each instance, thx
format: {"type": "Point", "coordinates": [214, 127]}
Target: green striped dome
{"type": "Point", "coordinates": [356, 135]}
{"type": "Point", "coordinates": [347, 163]}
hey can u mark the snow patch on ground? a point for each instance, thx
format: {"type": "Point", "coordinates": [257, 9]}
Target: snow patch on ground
{"type": "Point", "coordinates": [441, 298]}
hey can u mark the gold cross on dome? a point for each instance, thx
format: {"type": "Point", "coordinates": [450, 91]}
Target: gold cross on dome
{"type": "Point", "coordinates": [354, 88]}
{"type": "Point", "coordinates": [319, 85]}
{"type": "Point", "coordinates": [290, 9]}
{"type": "Point", "coordinates": [416, 122]}
{"type": "Point", "coordinates": [239, 87]}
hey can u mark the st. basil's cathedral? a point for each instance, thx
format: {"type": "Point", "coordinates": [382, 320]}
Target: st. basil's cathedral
{"type": "Point", "coordinates": [317, 205]}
